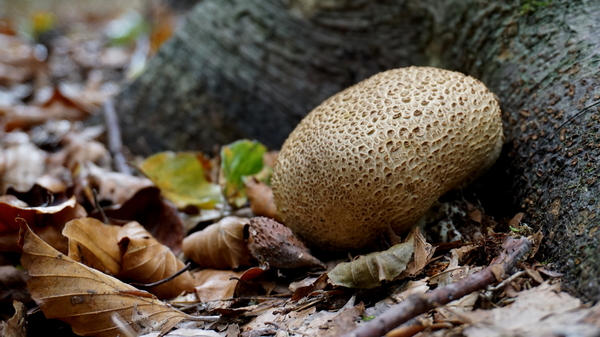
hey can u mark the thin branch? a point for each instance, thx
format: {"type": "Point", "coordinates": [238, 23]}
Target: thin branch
{"type": "Point", "coordinates": [507, 281]}
{"type": "Point", "coordinates": [98, 207]}
{"type": "Point", "coordinates": [421, 303]}
{"type": "Point", "coordinates": [113, 135]}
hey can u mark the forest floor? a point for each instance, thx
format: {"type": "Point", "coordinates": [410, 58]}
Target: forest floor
{"type": "Point", "coordinates": [105, 243]}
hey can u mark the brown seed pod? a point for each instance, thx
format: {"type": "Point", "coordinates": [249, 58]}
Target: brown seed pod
{"type": "Point", "coordinates": [378, 154]}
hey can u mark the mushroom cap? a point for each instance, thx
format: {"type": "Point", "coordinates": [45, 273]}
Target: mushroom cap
{"type": "Point", "coordinates": [378, 155]}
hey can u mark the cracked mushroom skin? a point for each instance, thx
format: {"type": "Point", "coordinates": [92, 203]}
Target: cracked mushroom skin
{"type": "Point", "coordinates": [378, 155]}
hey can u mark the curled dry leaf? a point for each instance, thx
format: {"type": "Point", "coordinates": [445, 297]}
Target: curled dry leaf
{"type": "Point", "coordinates": [260, 196]}
{"type": "Point", "coordinates": [220, 245]}
{"type": "Point", "coordinates": [112, 187]}
{"type": "Point", "coordinates": [155, 213]}
{"type": "Point", "coordinates": [16, 326]}
{"type": "Point", "coordinates": [370, 271]}
{"type": "Point", "coordinates": [421, 257]}
{"type": "Point", "coordinates": [81, 146]}
{"type": "Point", "coordinates": [57, 106]}
{"type": "Point", "coordinates": [47, 222]}
{"type": "Point", "coordinates": [127, 252]}
{"type": "Point", "coordinates": [84, 297]}
{"type": "Point", "coordinates": [273, 243]}
{"type": "Point", "coordinates": [145, 260]}
{"type": "Point", "coordinates": [94, 244]}
{"type": "Point", "coordinates": [216, 284]}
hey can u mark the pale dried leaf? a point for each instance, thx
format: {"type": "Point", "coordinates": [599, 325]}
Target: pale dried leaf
{"type": "Point", "coordinates": [540, 311]}
{"type": "Point", "coordinates": [220, 245]}
{"type": "Point", "coordinates": [16, 326]}
{"type": "Point", "coordinates": [411, 287]}
{"type": "Point", "coordinates": [57, 106]}
{"type": "Point", "coordinates": [114, 187]}
{"type": "Point", "coordinates": [84, 297]}
{"type": "Point", "coordinates": [370, 271]}
{"type": "Point", "coordinates": [453, 311]}
{"type": "Point", "coordinates": [21, 163]}
{"type": "Point", "coordinates": [422, 254]}
{"type": "Point", "coordinates": [145, 260]}
{"type": "Point", "coordinates": [81, 147]}
{"type": "Point", "coordinates": [215, 285]}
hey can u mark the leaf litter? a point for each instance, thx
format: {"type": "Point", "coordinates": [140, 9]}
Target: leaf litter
{"type": "Point", "coordinates": [250, 275]}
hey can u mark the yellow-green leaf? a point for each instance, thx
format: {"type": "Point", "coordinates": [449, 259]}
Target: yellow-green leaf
{"type": "Point", "coordinates": [181, 179]}
{"type": "Point", "coordinates": [238, 160]}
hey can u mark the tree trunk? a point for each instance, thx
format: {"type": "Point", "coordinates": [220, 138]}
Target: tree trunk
{"type": "Point", "coordinates": [253, 69]}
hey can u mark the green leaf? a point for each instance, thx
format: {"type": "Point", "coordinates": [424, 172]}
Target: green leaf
{"type": "Point", "coordinates": [238, 160]}
{"type": "Point", "coordinates": [181, 179]}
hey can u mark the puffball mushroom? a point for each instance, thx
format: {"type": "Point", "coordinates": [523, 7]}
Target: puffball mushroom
{"type": "Point", "coordinates": [377, 155]}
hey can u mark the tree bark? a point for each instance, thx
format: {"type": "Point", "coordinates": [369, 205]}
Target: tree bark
{"type": "Point", "coordinates": [542, 61]}
{"type": "Point", "coordinates": [253, 69]}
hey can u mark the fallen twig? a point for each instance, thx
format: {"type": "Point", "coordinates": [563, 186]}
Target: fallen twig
{"type": "Point", "coordinates": [113, 135]}
{"type": "Point", "coordinates": [421, 303]}
{"type": "Point", "coordinates": [148, 285]}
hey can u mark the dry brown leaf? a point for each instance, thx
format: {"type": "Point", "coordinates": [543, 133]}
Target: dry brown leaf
{"type": "Point", "coordinates": [453, 311]}
{"type": "Point", "coordinates": [145, 260]}
{"type": "Point", "coordinates": [17, 60]}
{"type": "Point", "coordinates": [272, 243]}
{"type": "Point", "coordinates": [421, 257]}
{"type": "Point", "coordinates": [113, 188]}
{"type": "Point", "coordinates": [540, 311]}
{"type": "Point", "coordinates": [536, 238]}
{"type": "Point", "coordinates": [45, 192]}
{"type": "Point", "coordinates": [515, 222]}
{"type": "Point", "coordinates": [260, 196]}
{"type": "Point", "coordinates": [81, 146]}
{"type": "Point", "coordinates": [156, 214]}
{"type": "Point", "coordinates": [16, 326]}
{"type": "Point", "coordinates": [57, 106]}
{"type": "Point", "coordinates": [220, 245]}
{"type": "Point", "coordinates": [94, 244]}
{"type": "Point", "coordinates": [303, 288]}
{"type": "Point", "coordinates": [344, 322]}
{"type": "Point", "coordinates": [411, 287]}
{"type": "Point", "coordinates": [371, 270]}
{"type": "Point", "coordinates": [215, 285]}
{"type": "Point", "coordinates": [47, 222]}
{"type": "Point", "coordinates": [84, 297]}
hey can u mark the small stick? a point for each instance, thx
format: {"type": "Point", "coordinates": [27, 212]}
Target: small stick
{"type": "Point", "coordinates": [97, 204]}
{"type": "Point", "coordinates": [113, 135]}
{"type": "Point", "coordinates": [507, 281]}
{"type": "Point", "coordinates": [148, 285]}
{"type": "Point", "coordinates": [421, 303]}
